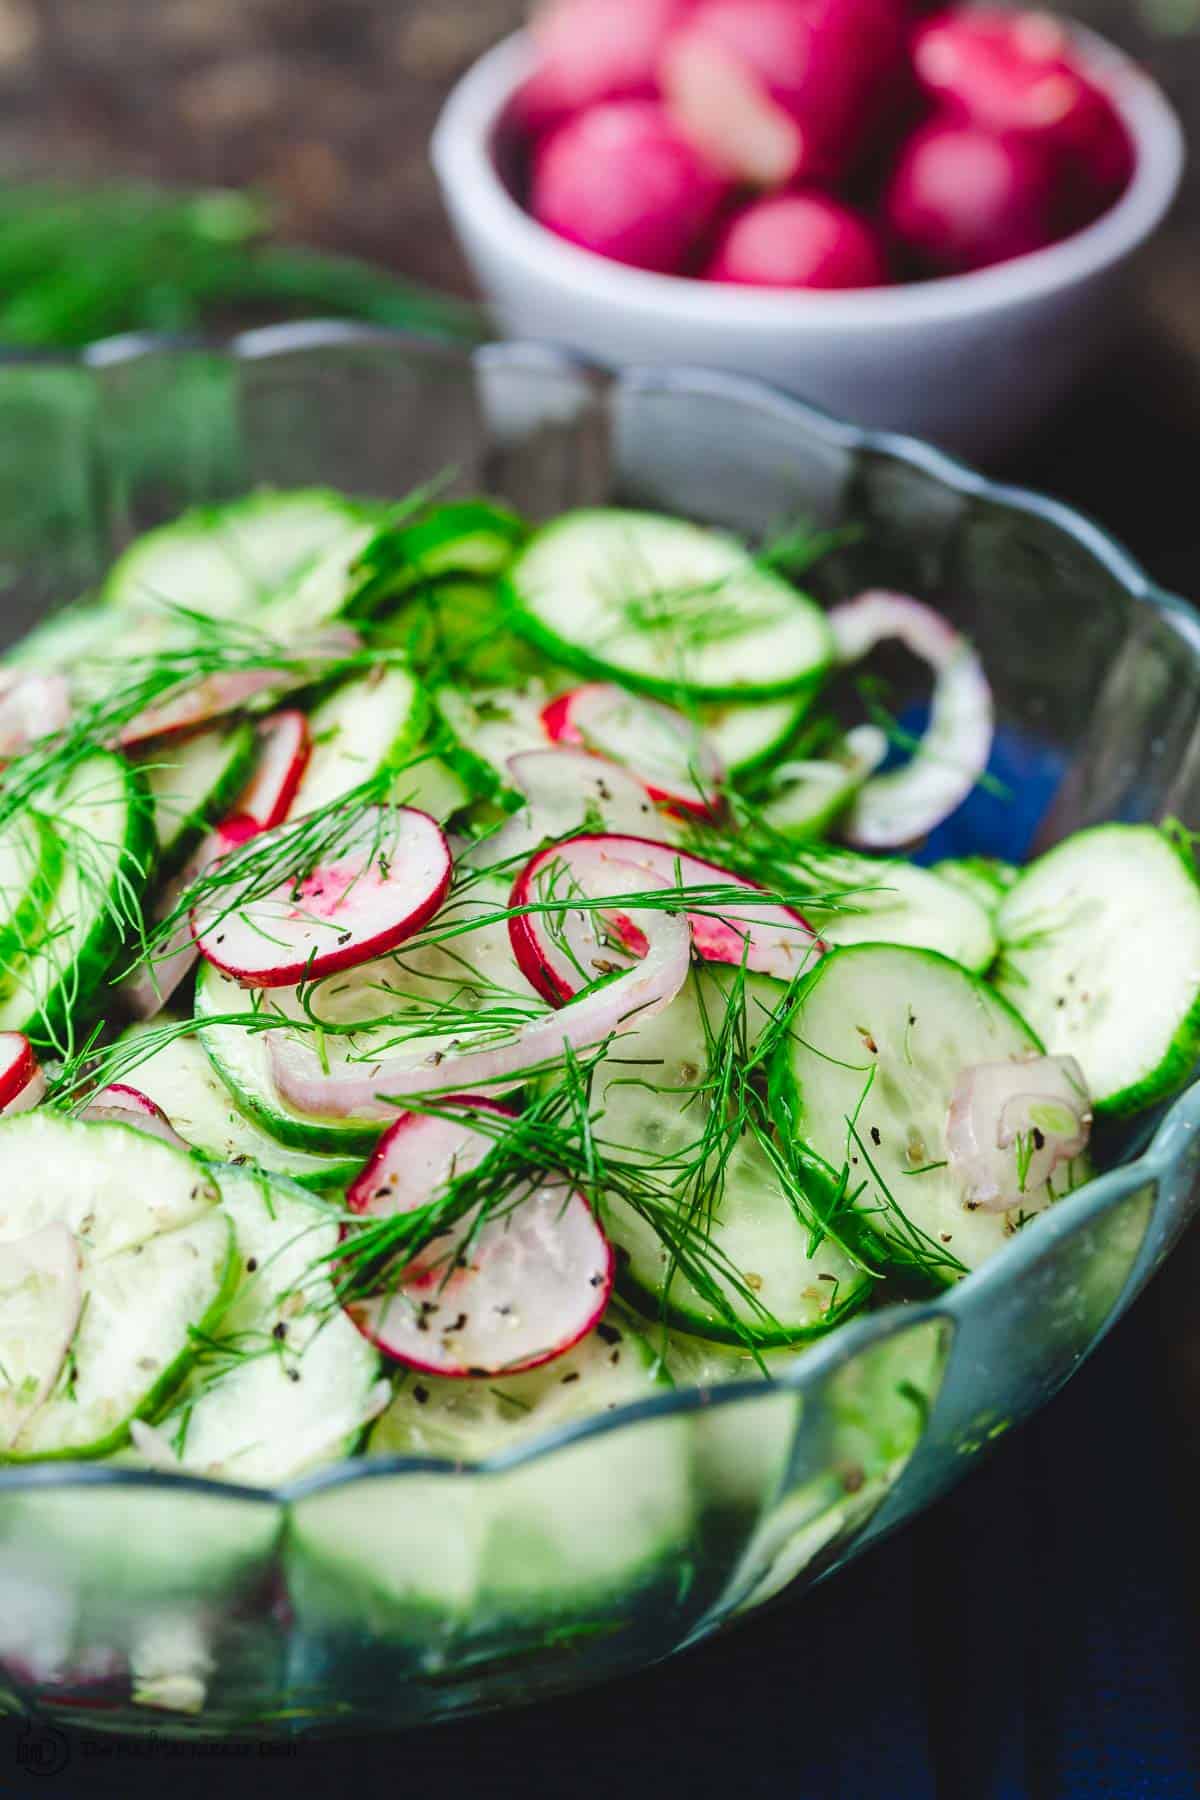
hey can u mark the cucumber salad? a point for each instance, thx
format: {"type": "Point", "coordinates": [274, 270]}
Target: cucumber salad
{"type": "Point", "coordinates": [458, 977]}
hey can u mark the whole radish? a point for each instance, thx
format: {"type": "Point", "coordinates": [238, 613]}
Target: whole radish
{"type": "Point", "coordinates": [961, 199]}
{"type": "Point", "coordinates": [785, 90]}
{"type": "Point", "coordinates": [591, 50]}
{"type": "Point", "coordinates": [621, 179]}
{"type": "Point", "coordinates": [799, 241]}
{"type": "Point", "coordinates": [1019, 74]}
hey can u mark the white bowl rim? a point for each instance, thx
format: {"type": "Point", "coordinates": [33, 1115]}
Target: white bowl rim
{"type": "Point", "coordinates": [462, 153]}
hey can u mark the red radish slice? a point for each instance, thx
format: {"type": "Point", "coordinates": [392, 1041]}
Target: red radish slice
{"type": "Point", "coordinates": [22, 1079]}
{"type": "Point", "coordinates": [374, 1092]}
{"type": "Point", "coordinates": [1010, 1126]}
{"type": "Point", "coordinates": [391, 877]}
{"type": "Point", "coordinates": [41, 1298]}
{"type": "Point", "coordinates": [147, 988]}
{"type": "Point", "coordinates": [559, 952]}
{"type": "Point", "coordinates": [520, 1292]}
{"type": "Point", "coordinates": [670, 755]}
{"type": "Point", "coordinates": [196, 702]}
{"type": "Point", "coordinates": [31, 707]}
{"type": "Point", "coordinates": [125, 1105]}
{"type": "Point", "coordinates": [283, 752]}
{"type": "Point", "coordinates": [898, 808]}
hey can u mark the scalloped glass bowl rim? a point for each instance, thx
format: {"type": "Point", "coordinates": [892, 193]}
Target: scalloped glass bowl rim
{"type": "Point", "coordinates": [1171, 1138]}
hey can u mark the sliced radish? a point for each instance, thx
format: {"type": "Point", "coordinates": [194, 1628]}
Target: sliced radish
{"type": "Point", "coordinates": [564, 789]}
{"type": "Point", "coordinates": [194, 703]}
{"type": "Point", "coordinates": [518, 1292]}
{"type": "Point", "coordinates": [32, 706]}
{"type": "Point", "coordinates": [41, 1298]}
{"type": "Point", "coordinates": [283, 752]}
{"type": "Point", "coordinates": [124, 1105]}
{"type": "Point", "coordinates": [22, 1079]}
{"type": "Point", "coordinates": [899, 808]}
{"type": "Point", "coordinates": [390, 878]}
{"type": "Point", "coordinates": [669, 754]}
{"type": "Point", "coordinates": [561, 950]}
{"type": "Point", "coordinates": [1010, 1126]}
{"type": "Point", "coordinates": [374, 1092]}
{"type": "Point", "coordinates": [147, 988]}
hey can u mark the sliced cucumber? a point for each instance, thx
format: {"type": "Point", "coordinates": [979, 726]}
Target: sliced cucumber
{"type": "Point", "coordinates": [365, 726]}
{"type": "Point", "coordinates": [654, 1102]}
{"type": "Point", "coordinates": [1100, 948]}
{"type": "Point", "coordinates": [31, 867]}
{"type": "Point", "coordinates": [465, 537]}
{"type": "Point", "coordinates": [102, 816]}
{"type": "Point", "coordinates": [67, 637]}
{"type": "Point", "coordinates": [319, 592]}
{"type": "Point", "coordinates": [179, 1078]}
{"type": "Point", "coordinates": [469, 1421]}
{"type": "Point", "coordinates": [432, 786]}
{"type": "Point", "coordinates": [747, 738]}
{"type": "Point", "coordinates": [872, 901]}
{"type": "Point", "coordinates": [879, 1041]}
{"type": "Point", "coordinates": [985, 878]}
{"type": "Point", "coordinates": [488, 726]}
{"type": "Point", "coordinates": [288, 1383]}
{"type": "Point", "coordinates": [663, 605]}
{"type": "Point", "coordinates": [459, 631]}
{"type": "Point", "coordinates": [193, 784]}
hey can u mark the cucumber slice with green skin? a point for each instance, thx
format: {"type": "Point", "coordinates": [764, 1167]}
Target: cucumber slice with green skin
{"type": "Point", "coordinates": [878, 1042]}
{"type": "Point", "coordinates": [458, 631]}
{"type": "Point", "coordinates": [662, 605]}
{"type": "Point", "coordinates": [432, 786]}
{"type": "Point", "coordinates": [1100, 948]}
{"type": "Point", "coordinates": [485, 728]}
{"type": "Point", "coordinates": [466, 537]}
{"type": "Point", "coordinates": [102, 816]}
{"type": "Point", "coordinates": [364, 727]}
{"type": "Point", "coordinates": [242, 1060]}
{"type": "Point", "coordinates": [318, 593]}
{"type": "Point", "coordinates": [155, 1260]}
{"type": "Point", "coordinates": [894, 902]}
{"type": "Point", "coordinates": [653, 1103]}
{"type": "Point", "coordinates": [288, 1384]}
{"type": "Point", "coordinates": [31, 867]}
{"type": "Point", "coordinates": [225, 561]}
{"type": "Point", "coordinates": [194, 783]}
{"type": "Point", "coordinates": [749, 738]}
{"type": "Point", "coordinates": [468, 1421]}
{"type": "Point", "coordinates": [179, 1078]}
{"type": "Point", "coordinates": [67, 637]}
{"type": "Point", "coordinates": [985, 878]}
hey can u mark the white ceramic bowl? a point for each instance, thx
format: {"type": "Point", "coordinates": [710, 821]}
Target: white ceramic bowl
{"type": "Point", "coordinates": [974, 362]}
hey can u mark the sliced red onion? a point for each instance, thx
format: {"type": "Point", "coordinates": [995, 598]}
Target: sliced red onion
{"type": "Point", "coordinates": [904, 805]}
{"type": "Point", "coordinates": [123, 1105]}
{"type": "Point", "coordinates": [22, 1078]}
{"type": "Point", "coordinates": [41, 1297]}
{"type": "Point", "coordinates": [1012, 1124]}
{"type": "Point", "coordinates": [374, 1091]}
{"type": "Point", "coordinates": [519, 1292]}
{"type": "Point", "coordinates": [32, 706]}
{"type": "Point", "coordinates": [678, 765]}
{"type": "Point", "coordinates": [379, 889]}
{"type": "Point", "coordinates": [558, 952]}
{"type": "Point", "coordinates": [212, 696]}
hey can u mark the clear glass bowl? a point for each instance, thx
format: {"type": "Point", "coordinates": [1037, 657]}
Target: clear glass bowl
{"type": "Point", "coordinates": [397, 1591]}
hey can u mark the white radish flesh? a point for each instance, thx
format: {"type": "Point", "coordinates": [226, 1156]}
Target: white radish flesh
{"type": "Point", "coordinates": [670, 754]}
{"type": "Point", "coordinates": [283, 752]}
{"type": "Point", "coordinates": [904, 805]}
{"type": "Point", "coordinates": [32, 706]}
{"type": "Point", "coordinates": [381, 887]}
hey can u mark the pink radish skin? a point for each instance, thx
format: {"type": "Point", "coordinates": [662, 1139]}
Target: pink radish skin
{"type": "Point", "coordinates": [663, 749]}
{"type": "Point", "coordinates": [124, 1105]}
{"type": "Point", "coordinates": [799, 241]}
{"type": "Point", "coordinates": [622, 180]}
{"type": "Point", "coordinates": [738, 73]}
{"type": "Point", "coordinates": [374, 1092]}
{"type": "Point", "coordinates": [147, 988]}
{"type": "Point", "coordinates": [32, 706]}
{"type": "Point", "coordinates": [771, 939]}
{"type": "Point", "coordinates": [22, 1079]}
{"type": "Point", "coordinates": [283, 754]}
{"type": "Point", "coordinates": [1018, 73]}
{"type": "Point", "coordinates": [904, 805]}
{"type": "Point", "coordinates": [962, 199]}
{"type": "Point", "coordinates": [379, 890]}
{"type": "Point", "coordinates": [593, 50]}
{"type": "Point", "coordinates": [535, 1282]}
